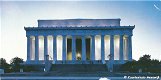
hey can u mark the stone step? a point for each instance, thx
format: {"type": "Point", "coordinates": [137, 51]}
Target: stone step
{"type": "Point", "coordinates": [78, 67]}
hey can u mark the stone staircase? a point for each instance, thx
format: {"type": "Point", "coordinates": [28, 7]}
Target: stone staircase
{"type": "Point", "coordinates": [79, 67]}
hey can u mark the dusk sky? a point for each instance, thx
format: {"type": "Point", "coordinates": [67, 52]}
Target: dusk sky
{"type": "Point", "coordinates": [145, 15]}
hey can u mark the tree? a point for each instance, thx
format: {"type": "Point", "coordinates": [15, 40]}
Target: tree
{"type": "Point", "coordinates": [144, 63]}
{"type": "Point", "coordinates": [4, 65]}
{"type": "Point", "coordinates": [155, 66]}
{"type": "Point", "coordinates": [145, 58]}
{"type": "Point", "coordinates": [130, 66]}
{"type": "Point", "coordinates": [15, 63]}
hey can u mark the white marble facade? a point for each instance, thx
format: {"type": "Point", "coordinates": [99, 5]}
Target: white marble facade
{"type": "Point", "coordinates": [107, 40]}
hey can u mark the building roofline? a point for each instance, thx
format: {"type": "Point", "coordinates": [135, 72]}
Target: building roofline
{"type": "Point", "coordinates": [82, 27]}
{"type": "Point", "coordinates": [80, 19]}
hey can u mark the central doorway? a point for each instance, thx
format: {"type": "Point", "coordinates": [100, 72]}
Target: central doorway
{"type": "Point", "coordinates": [78, 48]}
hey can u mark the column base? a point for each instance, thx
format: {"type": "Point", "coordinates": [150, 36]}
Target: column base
{"type": "Point", "coordinates": [103, 62]}
{"type": "Point", "coordinates": [54, 62]}
{"type": "Point", "coordinates": [110, 65]}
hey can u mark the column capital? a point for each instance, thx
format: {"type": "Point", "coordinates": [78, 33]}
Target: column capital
{"type": "Point", "coordinates": [64, 35]}
{"type": "Point", "coordinates": [121, 35]}
{"type": "Point", "coordinates": [28, 36]}
{"type": "Point", "coordinates": [73, 36]}
{"type": "Point", "coordinates": [102, 36]}
{"type": "Point", "coordinates": [111, 35]}
{"type": "Point", "coordinates": [53, 35]}
{"type": "Point", "coordinates": [36, 36]}
{"type": "Point", "coordinates": [83, 35]}
{"type": "Point", "coordinates": [129, 35]}
{"type": "Point", "coordinates": [93, 35]}
{"type": "Point", "coordinates": [45, 36]}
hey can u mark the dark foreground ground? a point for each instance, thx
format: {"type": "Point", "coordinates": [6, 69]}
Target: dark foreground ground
{"type": "Point", "coordinates": [80, 76]}
{"type": "Point", "coordinates": [79, 72]}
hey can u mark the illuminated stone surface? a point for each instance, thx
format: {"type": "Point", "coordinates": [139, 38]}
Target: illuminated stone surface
{"type": "Point", "coordinates": [77, 41]}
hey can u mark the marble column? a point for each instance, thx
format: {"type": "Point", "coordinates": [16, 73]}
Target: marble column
{"type": "Point", "coordinates": [121, 48]}
{"type": "Point", "coordinates": [64, 48]}
{"type": "Point", "coordinates": [83, 48]}
{"type": "Point", "coordinates": [73, 48]}
{"type": "Point", "coordinates": [28, 48]}
{"type": "Point", "coordinates": [129, 48]}
{"type": "Point", "coordinates": [36, 48]}
{"type": "Point", "coordinates": [93, 48]}
{"type": "Point", "coordinates": [111, 61]}
{"type": "Point", "coordinates": [54, 48]}
{"type": "Point", "coordinates": [102, 49]}
{"type": "Point", "coordinates": [111, 47]}
{"type": "Point", "coordinates": [125, 52]}
{"type": "Point", "coordinates": [45, 47]}
{"type": "Point", "coordinates": [32, 48]}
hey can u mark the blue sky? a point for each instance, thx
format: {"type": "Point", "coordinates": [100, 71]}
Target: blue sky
{"type": "Point", "coordinates": [145, 15]}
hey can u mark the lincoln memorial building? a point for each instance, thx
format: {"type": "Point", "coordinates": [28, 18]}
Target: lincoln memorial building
{"type": "Point", "coordinates": [79, 41]}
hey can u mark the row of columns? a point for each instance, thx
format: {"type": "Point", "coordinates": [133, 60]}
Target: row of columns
{"type": "Point", "coordinates": [92, 55]}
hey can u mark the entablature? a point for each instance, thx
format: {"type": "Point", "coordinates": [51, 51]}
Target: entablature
{"type": "Point", "coordinates": [81, 28]}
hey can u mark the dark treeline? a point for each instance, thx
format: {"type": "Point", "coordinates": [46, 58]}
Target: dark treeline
{"type": "Point", "coordinates": [144, 64]}
{"type": "Point", "coordinates": [14, 66]}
